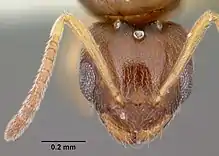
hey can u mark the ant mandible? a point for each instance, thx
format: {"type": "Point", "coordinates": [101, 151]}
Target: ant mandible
{"type": "Point", "coordinates": [136, 67]}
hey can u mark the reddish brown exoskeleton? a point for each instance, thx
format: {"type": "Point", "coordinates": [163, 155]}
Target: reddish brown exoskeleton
{"type": "Point", "coordinates": [136, 67]}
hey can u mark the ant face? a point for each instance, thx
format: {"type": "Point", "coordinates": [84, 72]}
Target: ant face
{"type": "Point", "coordinates": [131, 11]}
{"type": "Point", "coordinates": [136, 77]}
{"type": "Point", "coordinates": [139, 67]}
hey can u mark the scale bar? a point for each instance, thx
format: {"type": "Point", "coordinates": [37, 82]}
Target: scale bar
{"type": "Point", "coordinates": [75, 141]}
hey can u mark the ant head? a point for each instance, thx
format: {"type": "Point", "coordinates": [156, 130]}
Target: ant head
{"type": "Point", "coordinates": [131, 11]}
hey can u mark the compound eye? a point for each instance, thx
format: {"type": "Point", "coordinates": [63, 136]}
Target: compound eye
{"type": "Point", "coordinates": [186, 81]}
{"type": "Point", "coordinates": [87, 80]}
